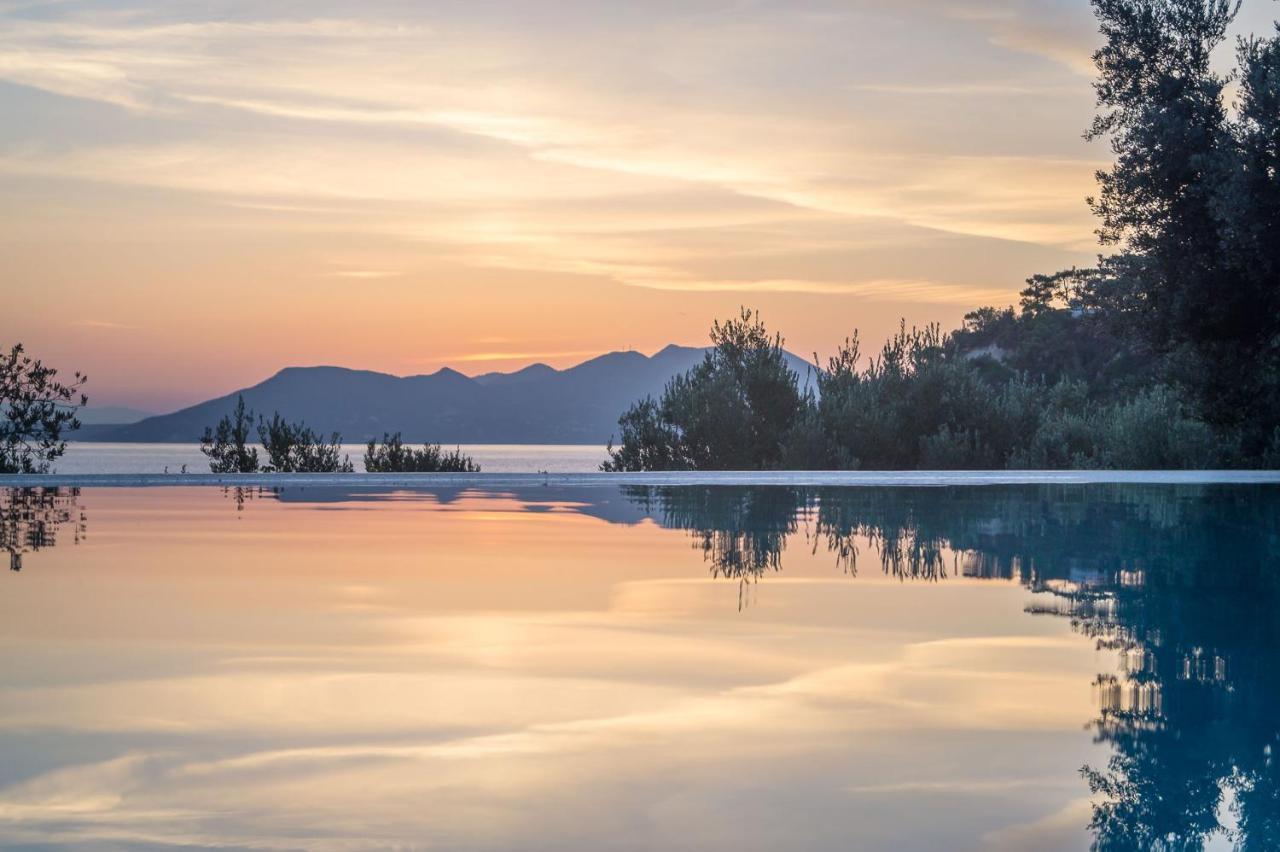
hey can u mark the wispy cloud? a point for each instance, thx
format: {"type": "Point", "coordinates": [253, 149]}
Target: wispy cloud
{"type": "Point", "coordinates": [102, 324]}
{"type": "Point", "coordinates": [889, 289]}
{"type": "Point", "coordinates": [670, 156]}
{"type": "Point", "coordinates": [793, 156]}
{"type": "Point", "coordinates": [531, 355]}
{"type": "Point", "coordinates": [363, 274]}
{"type": "Point", "coordinates": [1062, 33]}
{"type": "Point", "coordinates": [974, 89]}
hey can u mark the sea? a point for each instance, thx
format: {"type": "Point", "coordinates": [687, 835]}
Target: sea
{"type": "Point", "coordinates": [93, 457]}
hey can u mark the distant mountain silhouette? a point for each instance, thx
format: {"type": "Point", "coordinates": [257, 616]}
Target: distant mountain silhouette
{"type": "Point", "coordinates": [111, 415]}
{"type": "Point", "coordinates": [535, 405]}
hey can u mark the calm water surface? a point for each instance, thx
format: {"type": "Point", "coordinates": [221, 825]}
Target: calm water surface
{"type": "Point", "coordinates": [93, 457]}
{"type": "Point", "coordinates": [670, 669]}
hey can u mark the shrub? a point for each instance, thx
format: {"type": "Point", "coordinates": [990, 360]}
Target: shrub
{"type": "Point", "coordinates": [919, 403]}
{"type": "Point", "coordinates": [226, 446]}
{"type": "Point", "coordinates": [648, 441]}
{"type": "Point", "coordinates": [922, 402]}
{"type": "Point", "coordinates": [392, 456]}
{"type": "Point", "coordinates": [1154, 431]}
{"type": "Point", "coordinates": [1271, 456]}
{"type": "Point", "coordinates": [295, 448]}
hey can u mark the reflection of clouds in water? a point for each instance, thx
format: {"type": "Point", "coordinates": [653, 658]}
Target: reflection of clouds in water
{"type": "Point", "coordinates": [489, 731]}
{"type": "Point", "coordinates": [1058, 830]}
{"type": "Point", "coordinates": [86, 789]}
{"type": "Point", "coordinates": [400, 705]}
{"type": "Point", "coordinates": [161, 796]}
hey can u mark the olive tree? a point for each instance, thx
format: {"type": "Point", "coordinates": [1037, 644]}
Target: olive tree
{"type": "Point", "coordinates": [226, 445]}
{"type": "Point", "coordinates": [35, 410]}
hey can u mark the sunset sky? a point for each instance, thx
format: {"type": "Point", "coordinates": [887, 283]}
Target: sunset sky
{"type": "Point", "coordinates": [194, 195]}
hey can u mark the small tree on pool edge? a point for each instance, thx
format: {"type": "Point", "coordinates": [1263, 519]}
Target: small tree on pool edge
{"type": "Point", "coordinates": [226, 446]}
{"type": "Point", "coordinates": [35, 409]}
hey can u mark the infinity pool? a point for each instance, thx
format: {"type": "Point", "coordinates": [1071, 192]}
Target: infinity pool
{"type": "Point", "coordinates": [604, 668]}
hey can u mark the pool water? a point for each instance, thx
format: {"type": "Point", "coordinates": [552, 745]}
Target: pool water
{"type": "Point", "coordinates": [601, 668]}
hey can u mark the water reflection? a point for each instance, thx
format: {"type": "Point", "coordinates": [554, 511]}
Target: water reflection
{"type": "Point", "coordinates": [1180, 584]}
{"type": "Point", "coordinates": [31, 519]}
{"type": "Point", "coordinates": [740, 531]}
{"type": "Point", "coordinates": [1183, 582]}
{"type": "Point", "coordinates": [242, 494]}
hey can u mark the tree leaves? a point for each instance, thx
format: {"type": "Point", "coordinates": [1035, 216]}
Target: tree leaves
{"type": "Point", "coordinates": [36, 410]}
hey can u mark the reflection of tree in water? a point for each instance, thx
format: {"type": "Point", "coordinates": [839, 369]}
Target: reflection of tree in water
{"type": "Point", "coordinates": [241, 494]}
{"type": "Point", "coordinates": [1182, 582]}
{"type": "Point", "coordinates": [740, 531]}
{"type": "Point", "coordinates": [32, 518]}
{"type": "Point", "coordinates": [1192, 714]}
{"type": "Point", "coordinates": [1028, 533]}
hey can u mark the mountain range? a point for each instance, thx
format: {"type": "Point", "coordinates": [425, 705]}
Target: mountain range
{"type": "Point", "coordinates": [535, 405]}
{"type": "Point", "coordinates": [111, 415]}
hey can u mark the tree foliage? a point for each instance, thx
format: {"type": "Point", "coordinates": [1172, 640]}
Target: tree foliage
{"type": "Point", "coordinates": [989, 395]}
{"type": "Point", "coordinates": [297, 448]}
{"type": "Point", "coordinates": [35, 410]}
{"type": "Point", "coordinates": [1193, 200]}
{"type": "Point", "coordinates": [392, 456]}
{"type": "Point", "coordinates": [289, 447]}
{"type": "Point", "coordinates": [1165, 354]}
{"type": "Point", "coordinates": [1180, 581]}
{"type": "Point", "coordinates": [735, 410]}
{"type": "Point", "coordinates": [226, 445]}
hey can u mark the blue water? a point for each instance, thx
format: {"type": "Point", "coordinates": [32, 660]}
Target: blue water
{"type": "Point", "coordinates": [1043, 667]}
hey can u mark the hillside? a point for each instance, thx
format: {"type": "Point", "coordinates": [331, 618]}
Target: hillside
{"type": "Point", "coordinates": [535, 405]}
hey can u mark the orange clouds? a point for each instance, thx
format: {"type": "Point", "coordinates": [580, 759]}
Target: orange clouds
{"type": "Point", "coordinates": [378, 191]}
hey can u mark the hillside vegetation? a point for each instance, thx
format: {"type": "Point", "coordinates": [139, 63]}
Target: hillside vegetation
{"type": "Point", "coordinates": [1164, 355]}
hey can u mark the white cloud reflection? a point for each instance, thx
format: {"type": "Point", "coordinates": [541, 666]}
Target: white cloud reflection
{"type": "Point", "coordinates": [551, 682]}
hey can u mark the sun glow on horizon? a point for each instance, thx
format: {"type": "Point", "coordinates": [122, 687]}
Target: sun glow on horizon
{"type": "Point", "coordinates": [197, 196]}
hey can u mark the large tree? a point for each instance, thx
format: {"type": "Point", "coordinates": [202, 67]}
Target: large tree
{"type": "Point", "coordinates": [1192, 198]}
{"type": "Point", "coordinates": [1251, 209]}
{"type": "Point", "coordinates": [35, 410]}
{"type": "Point", "coordinates": [1161, 105]}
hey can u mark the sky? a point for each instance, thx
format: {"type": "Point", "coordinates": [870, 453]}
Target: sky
{"type": "Point", "coordinates": [195, 195]}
